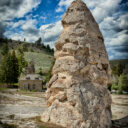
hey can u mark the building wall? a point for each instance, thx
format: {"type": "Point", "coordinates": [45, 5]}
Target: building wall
{"type": "Point", "coordinates": [31, 85]}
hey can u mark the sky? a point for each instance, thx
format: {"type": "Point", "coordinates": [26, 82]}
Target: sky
{"type": "Point", "coordinates": [31, 19]}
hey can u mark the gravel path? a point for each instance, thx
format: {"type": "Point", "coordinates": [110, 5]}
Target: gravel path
{"type": "Point", "coordinates": [14, 108]}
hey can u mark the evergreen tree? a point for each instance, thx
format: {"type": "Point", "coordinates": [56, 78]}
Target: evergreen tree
{"type": "Point", "coordinates": [123, 83]}
{"type": "Point", "coordinates": [4, 49]}
{"type": "Point", "coordinates": [14, 67]}
{"type": "Point", "coordinates": [21, 60]}
{"type": "Point", "coordinates": [5, 69]}
{"type": "Point", "coordinates": [48, 48]}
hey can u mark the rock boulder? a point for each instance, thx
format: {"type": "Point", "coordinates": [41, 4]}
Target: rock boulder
{"type": "Point", "coordinates": [77, 95]}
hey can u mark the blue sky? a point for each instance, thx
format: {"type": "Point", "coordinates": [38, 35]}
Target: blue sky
{"type": "Point", "coordinates": [32, 19]}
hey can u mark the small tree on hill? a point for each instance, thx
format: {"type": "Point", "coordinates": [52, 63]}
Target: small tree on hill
{"type": "Point", "coordinates": [38, 42]}
{"type": "Point", "coordinates": [24, 47]}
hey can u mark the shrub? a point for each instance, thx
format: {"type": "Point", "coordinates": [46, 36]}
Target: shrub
{"type": "Point", "coordinates": [109, 87]}
{"type": "Point", "coordinates": [49, 74]}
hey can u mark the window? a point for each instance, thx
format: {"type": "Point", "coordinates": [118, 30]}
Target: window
{"type": "Point", "coordinates": [28, 78]}
{"type": "Point", "coordinates": [34, 87]}
{"type": "Point", "coordinates": [36, 78]}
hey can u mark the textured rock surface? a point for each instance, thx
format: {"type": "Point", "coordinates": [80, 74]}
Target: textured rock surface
{"type": "Point", "coordinates": [77, 95]}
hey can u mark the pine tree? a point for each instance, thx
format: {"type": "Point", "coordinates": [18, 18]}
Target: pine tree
{"type": "Point", "coordinates": [14, 68]}
{"type": "Point", "coordinates": [38, 42]}
{"type": "Point", "coordinates": [123, 83]}
{"type": "Point", "coordinates": [9, 69]}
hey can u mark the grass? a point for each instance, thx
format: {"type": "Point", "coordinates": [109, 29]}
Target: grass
{"type": "Point", "coordinates": [31, 93]}
{"type": "Point", "coordinates": [114, 116]}
{"type": "Point", "coordinates": [6, 125]}
{"type": "Point", "coordinates": [26, 92]}
{"type": "Point", "coordinates": [3, 89]}
{"type": "Point", "coordinates": [45, 125]}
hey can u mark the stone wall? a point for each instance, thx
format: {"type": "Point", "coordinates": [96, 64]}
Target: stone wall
{"type": "Point", "coordinates": [23, 84]}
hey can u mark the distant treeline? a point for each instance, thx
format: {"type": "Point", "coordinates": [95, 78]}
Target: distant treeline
{"type": "Point", "coordinates": [38, 44]}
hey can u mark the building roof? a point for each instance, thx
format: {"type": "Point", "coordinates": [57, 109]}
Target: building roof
{"type": "Point", "coordinates": [31, 77]}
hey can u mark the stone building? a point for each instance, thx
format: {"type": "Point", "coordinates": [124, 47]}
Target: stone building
{"type": "Point", "coordinates": [31, 81]}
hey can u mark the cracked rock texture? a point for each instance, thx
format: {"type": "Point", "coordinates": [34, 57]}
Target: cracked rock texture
{"type": "Point", "coordinates": [77, 95]}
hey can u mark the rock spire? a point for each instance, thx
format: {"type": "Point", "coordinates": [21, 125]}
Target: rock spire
{"type": "Point", "coordinates": [77, 95]}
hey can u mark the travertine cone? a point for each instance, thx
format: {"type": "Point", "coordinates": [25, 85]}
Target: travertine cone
{"type": "Point", "coordinates": [77, 95]}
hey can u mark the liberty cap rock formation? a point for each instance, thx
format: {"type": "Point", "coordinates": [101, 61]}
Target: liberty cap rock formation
{"type": "Point", "coordinates": [77, 95]}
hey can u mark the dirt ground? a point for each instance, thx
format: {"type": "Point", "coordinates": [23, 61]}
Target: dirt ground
{"type": "Point", "coordinates": [119, 106]}
{"type": "Point", "coordinates": [23, 109]}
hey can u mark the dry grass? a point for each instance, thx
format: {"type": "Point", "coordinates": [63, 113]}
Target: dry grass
{"type": "Point", "coordinates": [41, 124]}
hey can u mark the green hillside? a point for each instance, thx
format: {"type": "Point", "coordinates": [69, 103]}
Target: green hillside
{"type": "Point", "coordinates": [41, 60]}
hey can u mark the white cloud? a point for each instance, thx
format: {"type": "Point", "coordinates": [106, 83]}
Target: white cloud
{"type": "Point", "coordinates": [63, 3]}
{"type": "Point", "coordinates": [31, 23]}
{"type": "Point", "coordinates": [11, 9]}
{"type": "Point", "coordinates": [48, 33]}
{"type": "Point", "coordinates": [123, 21]}
{"type": "Point", "coordinates": [28, 30]}
{"type": "Point", "coordinates": [15, 24]}
{"type": "Point", "coordinates": [27, 6]}
{"type": "Point", "coordinates": [43, 18]}
{"type": "Point", "coordinates": [51, 31]}
{"type": "Point", "coordinates": [119, 39]}
{"type": "Point", "coordinates": [60, 9]}
{"type": "Point", "coordinates": [104, 9]}
{"type": "Point", "coordinates": [117, 55]}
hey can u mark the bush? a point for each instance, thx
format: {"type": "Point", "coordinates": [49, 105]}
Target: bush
{"type": "Point", "coordinates": [40, 72]}
{"type": "Point", "coordinates": [31, 50]}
